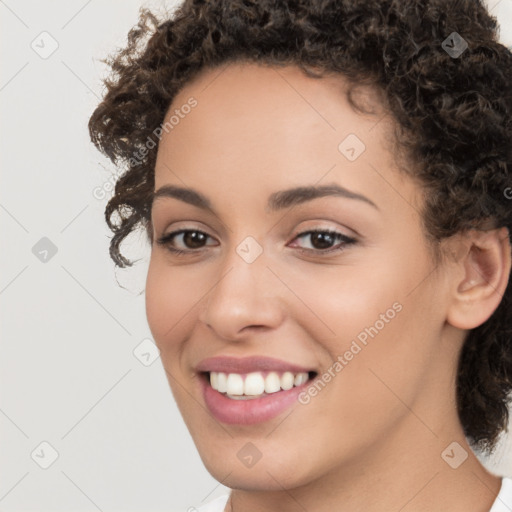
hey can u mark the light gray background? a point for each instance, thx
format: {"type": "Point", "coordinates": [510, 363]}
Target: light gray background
{"type": "Point", "coordinates": [69, 374]}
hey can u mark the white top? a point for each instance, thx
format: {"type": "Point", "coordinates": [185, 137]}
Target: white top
{"type": "Point", "coordinates": [502, 503]}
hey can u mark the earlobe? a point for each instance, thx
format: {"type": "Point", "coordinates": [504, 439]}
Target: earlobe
{"type": "Point", "coordinates": [483, 272]}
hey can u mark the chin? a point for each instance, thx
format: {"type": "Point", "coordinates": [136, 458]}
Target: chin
{"type": "Point", "coordinates": [266, 474]}
{"type": "Point", "coordinates": [255, 479]}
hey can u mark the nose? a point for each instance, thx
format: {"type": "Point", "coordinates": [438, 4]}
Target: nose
{"type": "Point", "coordinates": [245, 297]}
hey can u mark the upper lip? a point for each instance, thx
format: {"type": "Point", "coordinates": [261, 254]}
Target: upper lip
{"type": "Point", "coordinates": [228, 364]}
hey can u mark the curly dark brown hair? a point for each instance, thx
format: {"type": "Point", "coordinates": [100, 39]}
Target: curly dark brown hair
{"type": "Point", "coordinates": [453, 121]}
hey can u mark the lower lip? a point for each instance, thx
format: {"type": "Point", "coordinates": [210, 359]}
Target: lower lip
{"type": "Point", "coordinates": [248, 412]}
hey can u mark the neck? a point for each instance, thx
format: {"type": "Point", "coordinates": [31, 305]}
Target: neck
{"type": "Point", "coordinates": [410, 473]}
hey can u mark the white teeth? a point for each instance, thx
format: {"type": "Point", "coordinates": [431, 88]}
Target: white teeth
{"type": "Point", "coordinates": [287, 380]}
{"type": "Point", "coordinates": [272, 383]}
{"type": "Point", "coordinates": [235, 384]}
{"type": "Point", "coordinates": [254, 384]}
{"type": "Point", "coordinates": [300, 378]}
{"type": "Point", "coordinates": [214, 379]}
{"type": "Point", "coordinates": [222, 384]}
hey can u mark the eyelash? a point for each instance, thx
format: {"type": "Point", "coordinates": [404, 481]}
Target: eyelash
{"type": "Point", "coordinates": [166, 239]}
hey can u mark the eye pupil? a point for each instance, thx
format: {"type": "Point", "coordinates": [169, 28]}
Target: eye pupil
{"type": "Point", "coordinates": [325, 239]}
{"type": "Point", "coordinates": [193, 239]}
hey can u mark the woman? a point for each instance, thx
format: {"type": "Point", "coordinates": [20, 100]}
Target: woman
{"type": "Point", "coordinates": [326, 190]}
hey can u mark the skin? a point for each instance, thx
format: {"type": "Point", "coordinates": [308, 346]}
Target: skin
{"type": "Point", "coordinates": [372, 438]}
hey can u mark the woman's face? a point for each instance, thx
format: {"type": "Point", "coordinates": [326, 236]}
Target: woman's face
{"type": "Point", "coordinates": [364, 307]}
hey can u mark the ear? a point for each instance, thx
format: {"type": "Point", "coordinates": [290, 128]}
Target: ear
{"type": "Point", "coordinates": [480, 277]}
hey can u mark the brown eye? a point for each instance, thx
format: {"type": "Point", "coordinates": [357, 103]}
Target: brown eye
{"type": "Point", "coordinates": [194, 239]}
{"type": "Point", "coordinates": [324, 241]}
{"type": "Point", "coordinates": [187, 240]}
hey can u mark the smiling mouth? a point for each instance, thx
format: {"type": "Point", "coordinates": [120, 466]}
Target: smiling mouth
{"type": "Point", "coordinates": [249, 386]}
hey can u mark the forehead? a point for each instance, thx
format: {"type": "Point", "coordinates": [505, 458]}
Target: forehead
{"type": "Point", "coordinates": [241, 85]}
{"type": "Point", "coordinates": [268, 127]}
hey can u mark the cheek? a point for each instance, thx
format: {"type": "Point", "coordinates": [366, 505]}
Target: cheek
{"type": "Point", "coordinates": [170, 301]}
{"type": "Point", "coordinates": [381, 334]}
{"type": "Point", "coordinates": [344, 300]}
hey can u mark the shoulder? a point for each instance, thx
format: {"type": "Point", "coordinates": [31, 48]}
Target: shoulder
{"type": "Point", "coordinates": [503, 502]}
{"type": "Point", "coordinates": [216, 505]}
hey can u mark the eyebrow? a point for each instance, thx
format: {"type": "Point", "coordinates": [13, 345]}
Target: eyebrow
{"type": "Point", "coordinates": [276, 201]}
